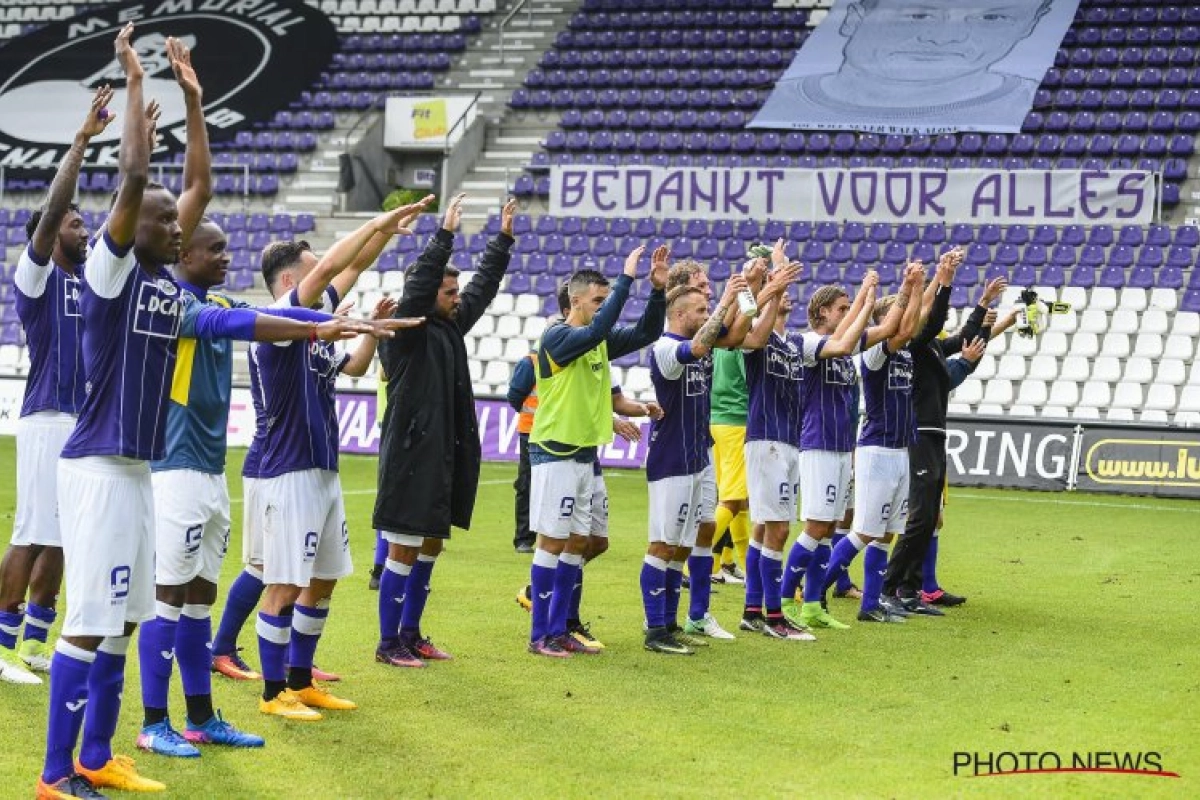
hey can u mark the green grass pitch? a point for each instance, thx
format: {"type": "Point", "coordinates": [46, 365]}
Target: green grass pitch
{"type": "Point", "coordinates": [1080, 636]}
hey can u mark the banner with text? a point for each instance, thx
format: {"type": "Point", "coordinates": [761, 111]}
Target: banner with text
{"type": "Point", "coordinates": [360, 432]}
{"type": "Point", "coordinates": [1057, 197]}
{"type": "Point", "coordinates": [1015, 455]}
{"type": "Point", "coordinates": [1133, 460]}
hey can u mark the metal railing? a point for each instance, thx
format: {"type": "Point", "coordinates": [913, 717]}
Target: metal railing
{"type": "Point", "coordinates": [462, 120]}
{"type": "Point", "coordinates": [509, 18]}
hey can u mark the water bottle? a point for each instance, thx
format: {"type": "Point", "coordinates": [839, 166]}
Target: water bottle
{"type": "Point", "coordinates": [745, 299]}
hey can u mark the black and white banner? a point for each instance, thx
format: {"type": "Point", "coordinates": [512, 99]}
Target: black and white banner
{"type": "Point", "coordinates": [1015, 455]}
{"type": "Point", "coordinates": [1135, 460]}
{"type": "Point", "coordinates": [253, 57]}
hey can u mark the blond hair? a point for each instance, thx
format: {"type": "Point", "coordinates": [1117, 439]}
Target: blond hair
{"type": "Point", "coordinates": [882, 306]}
{"type": "Point", "coordinates": [679, 292]}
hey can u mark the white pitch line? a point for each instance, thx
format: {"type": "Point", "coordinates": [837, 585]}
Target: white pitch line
{"type": "Point", "coordinates": [1058, 500]}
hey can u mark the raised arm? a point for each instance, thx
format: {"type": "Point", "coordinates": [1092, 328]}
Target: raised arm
{"type": "Point", "coordinates": [343, 253]}
{"type": "Point", "coordinates": [477, 295]}
{"type": "Point", "coordinates": [627, 339]}
{"type": "Point", "coordinates": [768, 306]}
{"type": "Point", "coordinates": [360, 360]}
{"type": "Point", "coordinates": [62, 188]}
{"type": "Point", "coordinates": [935, 320]}
{"type": "Point", "coordinates": [705, 339]}
{"type": "Point", "coordinates": [197, 163]}
{"type": "Point", "coordinates": [1004, 323]}
{"type": "Point", "coordinates": [847, 338]}
{"type": "Point", "coordinates": [134, 159]}
{"type": "Point", "coordinates": [909, 301]}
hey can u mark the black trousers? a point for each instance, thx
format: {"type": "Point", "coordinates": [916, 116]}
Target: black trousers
{"type": "Point", "coordinates": [926, 480]}
{"type": "Point", "coordinates": [522, 534]}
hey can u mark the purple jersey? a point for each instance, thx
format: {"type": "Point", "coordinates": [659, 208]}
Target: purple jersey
{"type": "Point", "coordinates": [296, 381]}
{"type": "Point", "coordinates": [773, 378]}
{"type": "Point", "coordinates": [829, 395]}
{"type": "Point", "coordinates": [252, 467]}
{"type": "Point", "coordinates": [131, 319]}
{"type": "Point", "coordinates": [679, 442]}
{"type": "Point", "coordinates": [48, 307]}
{"type": "Point", "coordinates": [887, 391]}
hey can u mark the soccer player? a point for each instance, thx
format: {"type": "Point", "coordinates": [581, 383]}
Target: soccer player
{"type": "Point", "coordinates": [927, 455]}
{"type": "Point", "coordinates": [881, 460]}
{"type": "Point", "coordinates": [727, 424]}
{"type": "Point", "coordinates": [131, 314]}
{"type": "Point", "coordinates": [829, 386]}
{"type": "Point", "coordinates": [429, 456]}
{"type": "Point", "coordinates": [47, 292]}
{"type": "Point", "coordinates": [678, 466]}
{"type": "Point", "coordinates": [299, 511]}
{"type": "Point", "coordinates": [775, 376]}
{"type": "Point", "coordinates": [336, 273]}
{"type": "Point", "coordinates": [522, 385]}
{"type": "Point", "coordinates": [575, 418]}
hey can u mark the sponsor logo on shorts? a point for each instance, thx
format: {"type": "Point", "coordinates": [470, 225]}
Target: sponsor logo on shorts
{"type": "Point", "coordinates": [118, 581]}
{"type": "Point", "coordinates": [310, 545]}
{"type": "Point", "coordinates": [191, 540]}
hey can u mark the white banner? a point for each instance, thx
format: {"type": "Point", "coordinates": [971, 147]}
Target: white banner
{"type": "Point", "coordinates": [422, 123]}
{"type": "Point", "coordinates": [856, 195]}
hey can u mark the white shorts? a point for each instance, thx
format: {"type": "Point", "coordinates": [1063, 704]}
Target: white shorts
{"type": "Point", "coordinates": [252, 519]}
{"type": "Point", "coordinates": [708, 494]}
{"type": "Point", "coordinates": [304, 528]}
{"type": "Point", "coordinates": [675, 509]}
{"type": "Point", "coordinates": [881, 481]}
{"type": "Point", "coordinates": [773, 481]}
{"type": "Point", "coordinates": [108, 543]}
{"type": "Point", "coordinates": [599, 507]}
{"type": "Point", "coordinates": [191, 511]}
{"type": "Point", "coordinates": [824, 485]}
{"type": "Point", "coordinates": [560, 498]}
{"type": "Point", "coordinates": [40, 440]}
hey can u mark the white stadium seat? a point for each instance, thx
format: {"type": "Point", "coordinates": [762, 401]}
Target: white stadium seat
{"type": "Point", "coordinates": [1123, 320]}
{"type": "Point", "coordinates": [990, 410]}
{"type": "Point", "coordinates": [1093, 320]}
{"type": "Point", "coordinates": [1064, 323]}
{"type": "Point", "coordinates": [1128, 395]}
{"type": "Point", "coordinates": [1107, 369]}
{"type": "Point", "coordinates": [490, 349]}
{"type": "Point", "coordinates": [998, 391]}
{"type": "Point", "coordinates": [1115, 344]}
{"type": "Point", "coordinates": [1064, 393]}
{"type": "Point", "coordinates": [1075, 368]}
{"type": "Point", "coordinates": [1119, 415]}
{"type": "Point", "coordinates": [1032, 393]}
{"type": "Point", "coordinates": [958, 408]}
{"type": "Point", "coordinates": [1054, 343]}
{"type": "Point", "coordinates": [486, 326]}
{"type": "Point", "coordinates": [527, 305]}
{"type": "Point", "coordinates": [1179, 346]}
{"type": "Point", "coordinates": [1011, 368]}
{"type": "Point", "coordinates": [1166, 299]}
{"type": "Point", "coordinates": [508, 326]}
{"type": "Point", "coordinates": [1133, 298]}
{"type": "Point", "coordinates": [1194, 376]}
{"type": "Point", "coordinates": [1095, 394]}
{"type": "Point", "coordinates": [1043, 367]}
{"type": "Point", "coordinates": [999, 345]}
{"type": "Point", "coordinates": [370, 280]}
{"type": "Point", "coordinates": [1171, 372]}
{"type": "Point", "coordinates": [1085, 412]}
{"type": "Point", "coordinates": [1148, 345]}
{"type": "Point", "coordinates": [1189, 399]}
{"type": "Point", "coordinates": [1021, 346]}
{"type": "Point", "coordinates": [1138, 369]}
{"type": "Point", "coordinates": [1085, 344]}
{"type": "Point", "coordinates": [970, 392]}
{"type": "Point", "coordinates": [392, 281]}
{"type": "Point", "coordinates": [1076, 296]}
{"type": "Point", "coordinates": [1187, 419]}
{"type": "Point", "coordinates": [1153, 320]}
{"type": "Point", "coordinates": [986, 367]}
{"type": "Point", "coordinates": [1103, 298]}
{"type": "Point", "coordinates": [1021, 410]}
{"type": "Point", "coordinates": [496, 373]}
{"type": "Point", "coordinates": [1154, 416]}
{"type": "Point", "coordinates": [637, 382]}
{"type": "Point", "coordinates": [1160, 397]}
{"type": "Point", "coordinates": [1187, 323]}
{"type": "Point", "coordinates": [503, 304]}
{"type": "Point", "coordinates": [514, 350]}
{"type": "Point", "coordinates": [475, 369]}
{"type": "Point", "coordinates": [1055, 412]}
{"type": "Point", "coordinates": [534, 328]}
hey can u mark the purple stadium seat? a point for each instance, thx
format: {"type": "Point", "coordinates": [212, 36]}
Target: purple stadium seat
{"type": "Point", "coordinates": [1112, 277]}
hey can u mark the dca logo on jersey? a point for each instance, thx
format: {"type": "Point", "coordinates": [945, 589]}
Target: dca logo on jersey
{"type": "Point", "coordinates": [71, 287]}
{"type": "Point", "coordinates": [159, 310]}
{"type": "Point", "coordinates": [253, 57]}
{"type": "Point", "coordinates": [840, 371]}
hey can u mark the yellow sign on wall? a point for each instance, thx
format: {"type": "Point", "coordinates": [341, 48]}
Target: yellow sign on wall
{"type": "Point", "coordinates": [429, 119]}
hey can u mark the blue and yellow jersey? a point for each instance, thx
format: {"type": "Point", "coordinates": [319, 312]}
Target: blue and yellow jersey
{"type": "Point", "coordinates": [198, 414]}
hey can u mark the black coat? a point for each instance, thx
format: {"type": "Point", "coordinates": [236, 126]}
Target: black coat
{"type": "Point", "coordinates": [429, 454]}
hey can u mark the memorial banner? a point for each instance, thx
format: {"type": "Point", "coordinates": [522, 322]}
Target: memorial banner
{"type": "Point", "coordinates": [1057, 197]}
{"type": "Point", "coordinates": [911, 67]}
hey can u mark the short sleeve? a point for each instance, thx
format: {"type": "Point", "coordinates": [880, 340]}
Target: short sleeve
{"type": "Point", "coordinates": [666, 356]}
{"type": "Point", "coordinates": [876, 357]}
{"type": "Point", "coordinates": [811, 345]}
{"type": "Point", "coordinates": [31, 275]}
{"type": "Point", "coordinates": [108, 267]}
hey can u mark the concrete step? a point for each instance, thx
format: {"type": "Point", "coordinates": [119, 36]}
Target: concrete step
{"type": "Point", "coordinates": [482, 186]}
{"type": "Point", "coordinates": [518, 141]}
{"type": "Point", "coordinates": [492, 73]}
{"type": "Point", "coordinates": [308, 201]}
{"type": "Point", "coordinates": [315, 184]}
